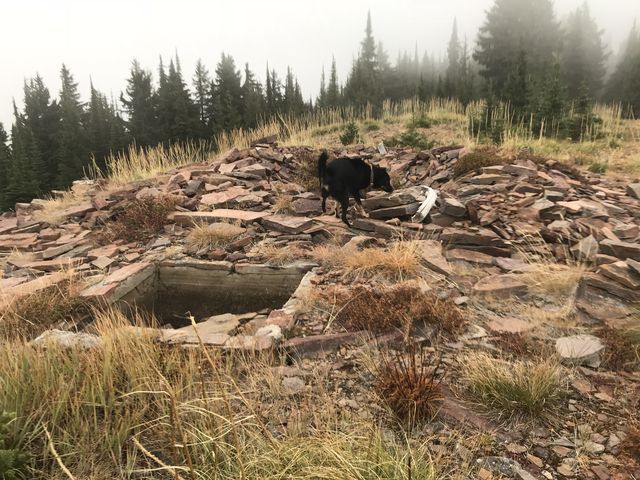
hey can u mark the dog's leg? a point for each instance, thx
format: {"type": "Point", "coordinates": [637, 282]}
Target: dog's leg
{"type": "Point", "coordinates": [344, 204]}
{"type": "Point", "coordinates": [325, 194]}
{"type": "Point", "coordinates": [359, 207]}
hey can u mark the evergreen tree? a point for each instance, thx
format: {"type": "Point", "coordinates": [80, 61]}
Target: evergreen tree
{"type": "Point", "coordinates": [583, 57]}
{"type": "Point", "coordinates": [517, 33]}
{"type": "Point", "coordinates": [42, 117]}
{"type": "Point", "coordinates": [5, 163]}
{"type": "Point", "coordinates": [363, 85]}
{"type": "Point", "coordinates": [23, 171]}
{"type": "Point", "coordinates": [72, 153]}
{"type": "Point", "coordinates": [227, 96]}
{"type": "Point", "coordinates": [201, 88]}
{"type": "Point", "coordinates": [104, 128]}
{"type": "Point", "coordinates": [178, 118]}
{"type": "Point", "coordinates": [140, 105]}
{"type": "Point", "coordinates": [321, 101]}
{"type": "Point", "coordinates": [333, 90]}
{"type": "Point", "coordinates": [624, 84]}
{"type": "Point", "coordinates": [252, 99]}
{"type": "Point", "coordinates": [452, 78]}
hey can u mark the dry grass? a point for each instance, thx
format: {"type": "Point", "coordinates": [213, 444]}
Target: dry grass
{"type": "Point", "coordinates": [622, 347]}
{"type": "Point", "coordinates": [204, 237]}
{"type": "Point", "coordinates": [52, 211]}
{"type": "Point", "coordinates": [520, 387]}
{"type": "Point", "coordinates": [473, 162]}
{"type": "Point", "coordinates": [381, 309]}
{"type": "Point", "coordinates": [280, 255]}
{"type": "Point", "coordinates": [142, 163]}
{"type": "Point", "coordinates": [631, 444]}
{"type": "Point", "coordinates": [283, 204]}
{"type": "Point", "coordinates": [399, 261]}
{"type": "Point", "coordinates": [141, 220]}
{"type": "Point", "coordinates": [138, 409]}
{"type": "Point", "coordinates": [553, 279]}
{"type": "Point", "coordinates": [409, 385]}
{"type": "Point", "coordinates": [305, 172]}
{"type": "Point", "coordinates": [29, 315]}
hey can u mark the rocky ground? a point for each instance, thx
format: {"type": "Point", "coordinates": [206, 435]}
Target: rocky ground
{"type": "Point", "coordinates": [540, 259]}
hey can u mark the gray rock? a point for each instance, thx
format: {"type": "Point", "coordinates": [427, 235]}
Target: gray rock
{"type": "Point", "coordinates": [67, 340]}
{"type": "Point", "coordinates": [580, 350]}
{"type": "Point", "coordinates": [451, 206]}
{"type": "Point", "coordinates": [586, 249]}
{"type": "Point", "coordinates": [293, 385]}
{"type": "Point", "coordinates": [633, 190]}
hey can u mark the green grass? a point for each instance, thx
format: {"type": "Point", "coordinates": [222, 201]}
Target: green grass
{"type": "Point", "coordinates": [508, 388]}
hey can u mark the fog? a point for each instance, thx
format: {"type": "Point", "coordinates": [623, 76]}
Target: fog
{"type": "Point", "coordinates": [98, 39]}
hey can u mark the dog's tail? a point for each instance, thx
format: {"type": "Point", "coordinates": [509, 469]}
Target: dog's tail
{"type": "Point", "coordinates": [322, 166]}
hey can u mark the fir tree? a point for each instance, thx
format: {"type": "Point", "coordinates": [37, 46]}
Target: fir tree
{"type": "Point", "coordinates": [583, 58]}
{"type": "Point", "coordinates": [333, 90]}
{"type": "Point", "coordinates": [321, 102]}
{"type": "Point", "coordinates": [363, 85]}
{"type": "Point", "coordinates": [177, 115]}
{"type": "Point", "coordinates": [226, 96]}
{"type": "Point", "coordinates": [5, 163]}
{"type": "Point", "coordinates": [42, 116]}
{"type": "Point", "coordinates": [140, 106]}
{"type": "Point", "coordinates": [624, 84]}
{"type": "Point", "coordinates": [512, 30]}
{"type": "Point", "coordinates": [104, 128]}
{"type": "Point", "coordinates": [252, 99]}
{"type": "Point", "coordinates": [72, 151]}
{"type": "Point", "coordinates": [452, 78]}
{"type": "Point", "coordinates": [22, 170]}
{"type": "Point", "coordinates": [201, 85]}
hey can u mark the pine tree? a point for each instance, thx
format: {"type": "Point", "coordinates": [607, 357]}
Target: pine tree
{"type": "Point", "coordinates": [227, 96]}
{"type": "Point", "coordinates": [23, 169]}
{"type": "Point", "coordinates": [583, 57]}
{"type": "Point", "coordinates": [513, 29]}
{"type": "Point", "coordinates": [73, 153]}
{"type": "Point", "coordinates": [42, 117]}
{"type": "Point", "coordinates": [452, 78]}
{"type": "Point", "coordinates": [104, 128]}
{"type": "Point", "coordinates": [252, 99]}
{"type": "Point", "coordinates": [140, 105]}
{"type": "Point", "coordinates": [321, 101]}
{"type": "Point", "coordinates": [178, 118]}
{"type": "Point", "coordinates": [363, 85]}
{"type": "Point", "coordinates": [201, 83]}
{"type": "Point", "coordinates": [5, 163]}
{"type": "Point", "coordinates": [333, 90]}
{"type": "Point", "coordinates": [624, 84]}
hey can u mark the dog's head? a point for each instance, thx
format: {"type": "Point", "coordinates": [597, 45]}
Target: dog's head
{"type": "Point", "coordinates": [381, 179]}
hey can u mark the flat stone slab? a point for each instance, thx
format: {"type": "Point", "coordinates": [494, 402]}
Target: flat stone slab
{"type": "Point", "coordinates": [431, 255]}
{"type": "Point", "coordinates": [580, 350]}
{"type": "Point", "coordinates": [621, 273]}
{"type": "Point", "coordinates": [620, 249]}
{"type": "Point", "coordinates": [287, 223]}
{"type": "Point", "coordinates": [50, 265]}
{"type": "Point", "coordinates": [17, 240]}
{"type": "Point", "coordinates": [191, 218]}
{"type": "Point", "coordinates": [501, 286]}
{"type": "Point", "coordinates": [471, 256]}
{"type": "Point", "coordinates": [509, 325]}
{"type": "Point", "coordinates": [225, 196]}
{"type": "Point", "coordinates": [225, 323]}
{"type": "Point", "coordinates": [120, 282]}
{"type": "Point", "coordinates": [633, 190]}
{"type": "Point", "coordinates": [395, 212]}
{"type": "Point", "coordinates": [481, 237]}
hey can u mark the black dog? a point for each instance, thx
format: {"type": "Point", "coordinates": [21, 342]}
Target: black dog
{"type": "Point", "coordinates": [347, 176]}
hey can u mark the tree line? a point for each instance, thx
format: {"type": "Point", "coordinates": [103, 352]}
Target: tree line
{"type": "Point", "coordinates": [523, 55]}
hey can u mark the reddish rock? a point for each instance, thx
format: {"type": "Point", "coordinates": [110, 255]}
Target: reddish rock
{"type": "Point", "coordinates": [500, 286]}
{"type": "Point", "coordinates": [318, 344]}
{"type": "Point", "coordinates": [286, 223]}
{"type": "Point", "coordinates": [190, 218]}
{"type": "Point", "coordinates": [477, 258]}
{"type": "Point", "coordinates": [281, 318]}
{"type": "Point", "coordinates": [20, 241]}
{"type": "Point", "coordinates": [225, 196]}
{"type": "Point", "coordinates": [621, 273]}
{"type": "Point", "coordinates": [431, 254]}
{"type": "Point", "coordinates": [509, 325]}
{"type": "Point", "coordinates": [620, 249]}
{"type": "Point", "coordinates": [306, 206]}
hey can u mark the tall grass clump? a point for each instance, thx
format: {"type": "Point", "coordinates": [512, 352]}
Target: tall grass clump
{"type": "Point", "coordinates": [132, 407]}
{"type": "Point", "coordinates": [512, 388]}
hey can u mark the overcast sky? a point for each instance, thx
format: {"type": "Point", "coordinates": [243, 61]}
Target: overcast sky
{"type": "Point", "coordinates": [100, 38]}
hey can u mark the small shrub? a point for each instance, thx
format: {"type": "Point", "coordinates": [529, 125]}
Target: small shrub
{"type": "Point", "coordinates": [283, 204]}
{"type": "Point", "coordinates": [622, 348]}
{"type": "Point", "coordinates": [28, 316]}
{"type": "Point", "coordinates": [350, 134]}
{"type": "Point", "coordinates": [381, 309]}
{"type": "Point", "coordinates": [13, 462]}
{"type": "Point", "coordinates": [279, 255]}
{"type": "Point", "coordinates": [473, 162]}
{"type": "Point", "coordinates": [410, 138]}
{"type": "Point", "coordinates": [370, 126]}
{"type": "Point", "coordinates": [409, 386]}
{"type": "Point", "coordinates": [521, 387]}
{"type": "Point", "coordinates": [518, 345]}
{"type": "Point", "coordinates": [204, 237]}
{"type": "Point", "coordinates": [598, 167]}
{"type": "Point", "coordinates": [305, 172]}
{"type": "Point", "coordinates": [631, 443]}
{"type": "Point", "coordinates": [142, 219]}
{"type": "Point", "coordinates": [420, 122]}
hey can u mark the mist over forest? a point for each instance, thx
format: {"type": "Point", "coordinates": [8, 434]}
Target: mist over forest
{"type": "Point", "coordinates": [546, 67]}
